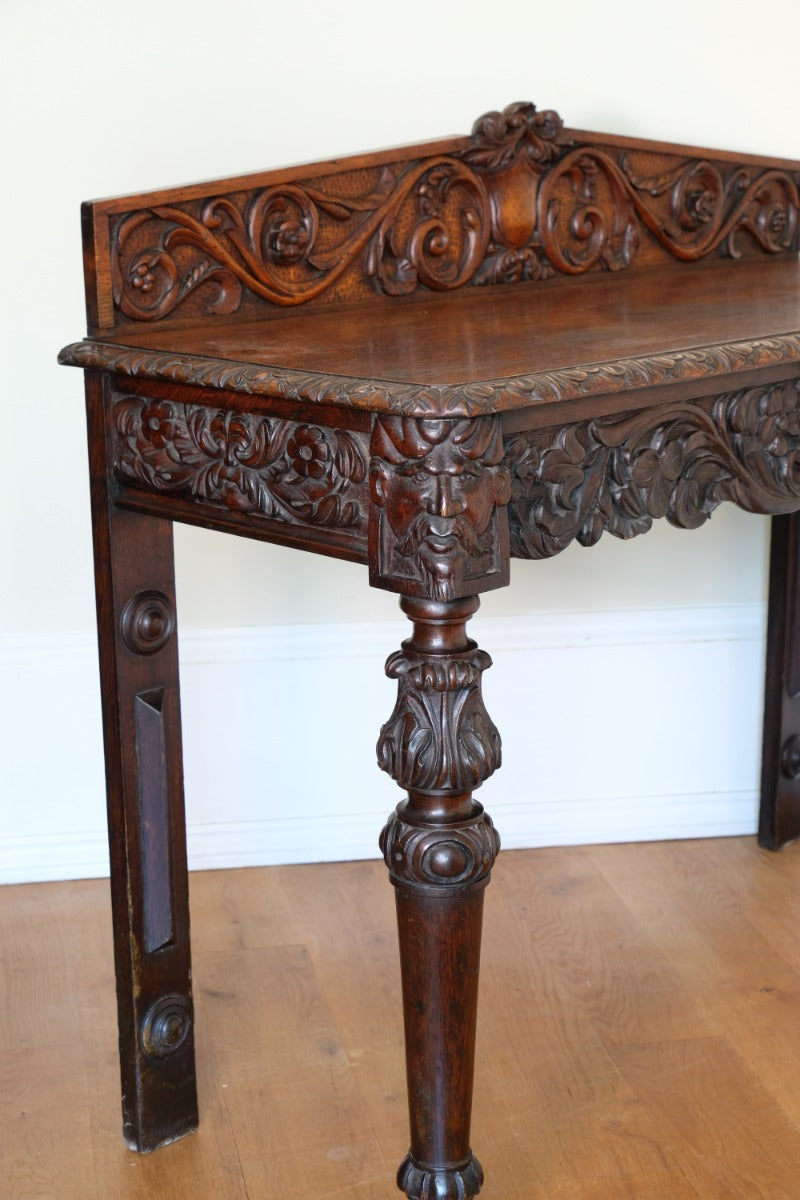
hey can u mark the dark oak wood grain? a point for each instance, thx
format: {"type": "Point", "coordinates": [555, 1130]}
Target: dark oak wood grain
{"type": "Point", "coordinates": [487, 350]}
{"type": "Point", "coordinates": [135, 587]}
{"type": "Point", "coordinates": [426, 361]}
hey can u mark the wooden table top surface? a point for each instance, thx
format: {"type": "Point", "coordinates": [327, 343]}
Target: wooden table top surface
{"type": "Point", "coordinates": [485, 349]}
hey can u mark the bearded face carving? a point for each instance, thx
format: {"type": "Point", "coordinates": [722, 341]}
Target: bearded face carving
{"type": "Point", "coordinates": [439, 488]}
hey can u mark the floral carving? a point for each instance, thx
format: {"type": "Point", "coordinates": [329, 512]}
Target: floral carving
{"type": "Point", "coordinates": [285, 470]}
{"type": "Point", "coordinates": [621, 473]}
{"type": "Point", "coordinates": [593, 210]}
{"type": "Point", "coordinates": [308, 451]}
{"type": "Point", "coordinates": [288, 244]}
{"type": "Point", "coordinates": [447, 241]}
{"type": "Point", "coordinates": [588, 208]}
{"type": "Point", "coordinates": [518, 133]}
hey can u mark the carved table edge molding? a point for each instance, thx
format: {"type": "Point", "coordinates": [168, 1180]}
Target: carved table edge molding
{"type": "Point", "coordinates": [411, 399]}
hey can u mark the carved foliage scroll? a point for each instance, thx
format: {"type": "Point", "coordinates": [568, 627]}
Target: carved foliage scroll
{"type": "Point", "coordinates": [561, 207]}
{"type": "Point", "coordinates": [520, 201]}
{"type": "Point", "coordinates": [621, 473]}
{"type": "Point", "coordinates": [287, 471]}
{"type": "Point", "coordinates": [424, 222]}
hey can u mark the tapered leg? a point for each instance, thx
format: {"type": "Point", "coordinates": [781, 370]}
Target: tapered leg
{"type": "Point", "coordinates": [439, 847]}
{"type": "Point", "coordinates": [780, 764]}
{"type": "Point", "coordinates": [144, 778]}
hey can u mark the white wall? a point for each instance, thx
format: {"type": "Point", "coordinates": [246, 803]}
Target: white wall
{"type": "Point", "coordinates": [102, 98]}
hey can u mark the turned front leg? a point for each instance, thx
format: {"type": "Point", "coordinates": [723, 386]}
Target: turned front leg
{"type": "Point", "coordinates": [439, 847]}
{"type": "Point", "coordinates": [144, 779]}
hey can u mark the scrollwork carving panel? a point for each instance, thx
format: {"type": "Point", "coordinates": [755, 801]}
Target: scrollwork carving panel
{"type": "Point", "coordinates": [421, 222]}
{"type": "Point", "coordinates": [520, 199]}
{"type": "Point", "coordinates": [619, 474]}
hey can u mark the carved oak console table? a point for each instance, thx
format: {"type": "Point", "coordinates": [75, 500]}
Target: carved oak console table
{"type": "Point", "coordinates": [427, 361]}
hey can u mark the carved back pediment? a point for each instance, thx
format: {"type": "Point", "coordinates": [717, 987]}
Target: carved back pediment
{"type": "Point", "coordinates": [522, 199]}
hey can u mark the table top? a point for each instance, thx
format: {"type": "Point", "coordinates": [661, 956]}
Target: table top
{"type": "Point", "coordinates": [486, 349]}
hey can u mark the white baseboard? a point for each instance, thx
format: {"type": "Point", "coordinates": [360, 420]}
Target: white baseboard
{"type": "Point", "coordinates": [617, 726]}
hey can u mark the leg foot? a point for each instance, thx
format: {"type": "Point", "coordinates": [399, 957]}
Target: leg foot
{"type": "Point", "coordinates": [459, 1181]}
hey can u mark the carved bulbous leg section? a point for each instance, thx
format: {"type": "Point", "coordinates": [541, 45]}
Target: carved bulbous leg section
{"type": "Point", "coordinates": [439, 846]}
{"type": "Point", "coordinates": [451, 854]}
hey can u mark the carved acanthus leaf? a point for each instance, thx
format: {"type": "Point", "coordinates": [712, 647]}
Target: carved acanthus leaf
{"type": "Point", "coordinates": [518, 133]}
{"type": "Point", "coordinates": [440, 736]}
{"type": "Point", "coordinates": [593, 210]}
{"type": "Point", "coordinates": [618, 474]}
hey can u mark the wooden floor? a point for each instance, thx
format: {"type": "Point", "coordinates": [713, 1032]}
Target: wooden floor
{"type": "Point", "coordinates": [639, 1035]}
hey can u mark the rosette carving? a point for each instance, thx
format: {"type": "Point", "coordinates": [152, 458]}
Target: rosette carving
{"type": "Point", "coordinates": [147, 622]}
{"type": "Point", "coordinates": [166, 1026]}
{"type": "Point", "coordinates": [440, 736]}
{"type": "Point", "coordinates": [444, 856]}
{"type": "Point", "coordinates": [621, 473]}
{"type": "Point", "coordinates": [288, 471]}
{"type": "Point", "coordinates": [517, 134]}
